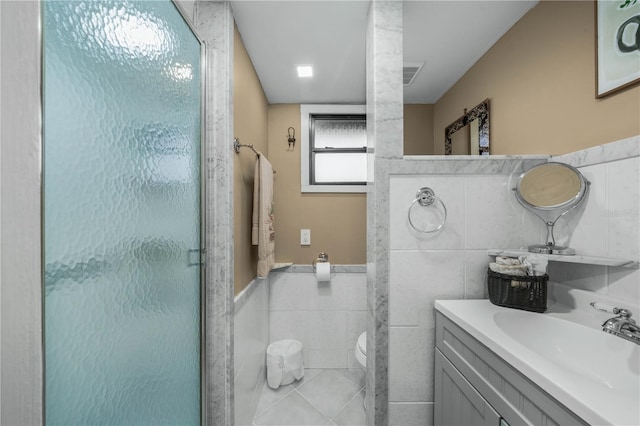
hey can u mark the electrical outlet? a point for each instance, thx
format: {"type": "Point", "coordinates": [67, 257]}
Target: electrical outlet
{"type": "Point", "coordinates": [305, 237]}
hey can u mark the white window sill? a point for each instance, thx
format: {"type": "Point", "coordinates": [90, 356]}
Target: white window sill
{"type": "Point", "coordinates": [335, 188]}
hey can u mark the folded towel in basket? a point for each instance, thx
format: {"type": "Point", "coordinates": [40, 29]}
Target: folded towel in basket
{"type": "Point", "coordinates": [509, 261]}
{"type": "Point", "coordinates": [517, 270]}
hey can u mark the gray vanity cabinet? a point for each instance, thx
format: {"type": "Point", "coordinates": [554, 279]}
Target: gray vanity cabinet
{"type": "Point", "coordinates": [473, 386]}
{"type": "Point", "coordinates": [463, 405]}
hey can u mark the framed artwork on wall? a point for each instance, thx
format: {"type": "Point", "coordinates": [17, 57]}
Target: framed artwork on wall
{"type": "Point", "coordinates": [617, 45]}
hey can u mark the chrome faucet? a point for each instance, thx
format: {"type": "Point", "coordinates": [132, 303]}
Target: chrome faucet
{"type": "Point", "coordinates": [622, 325]}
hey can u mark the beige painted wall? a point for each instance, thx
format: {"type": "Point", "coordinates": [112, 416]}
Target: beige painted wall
{"type": "Point", "coordinates": [250, 125]}
{"type": "Point", "coordinates": [418, 129]}
{"type": "Point", "coordinates": [337, 221]}
{"type": "Point", "coordinates": [540, 77]}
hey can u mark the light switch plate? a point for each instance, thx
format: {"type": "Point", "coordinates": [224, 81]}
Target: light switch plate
{"type": "Point", "coordinates": [305, 237]}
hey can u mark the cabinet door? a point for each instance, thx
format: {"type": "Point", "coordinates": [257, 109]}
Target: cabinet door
{"type": "Point", "coordinates": [457, 403]}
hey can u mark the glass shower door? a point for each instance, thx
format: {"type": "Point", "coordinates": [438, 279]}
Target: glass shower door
{"type": "Point", "coordinates": [121, 220]}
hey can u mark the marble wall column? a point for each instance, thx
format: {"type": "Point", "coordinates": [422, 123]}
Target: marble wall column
{"type": "Point", "coordinates": [214, 23]}
{"type": "Point", "coordinates": [385, 136]}
{"type": "Point", "coordinates": [21, 377]}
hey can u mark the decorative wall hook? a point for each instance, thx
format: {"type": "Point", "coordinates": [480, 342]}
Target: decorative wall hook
{"type": "Point", "coordinates": [291, 137]}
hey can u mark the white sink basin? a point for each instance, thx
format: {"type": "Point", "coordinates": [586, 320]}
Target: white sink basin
{"type": "Point", "coordinates": [609, 361]}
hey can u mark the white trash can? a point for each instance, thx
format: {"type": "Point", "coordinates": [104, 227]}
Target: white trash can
{"type": "Point", "coordinates": [284, 363]}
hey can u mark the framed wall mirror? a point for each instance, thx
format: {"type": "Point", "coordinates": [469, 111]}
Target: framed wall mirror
{"type": "Point", "coordinates": [469, 134]}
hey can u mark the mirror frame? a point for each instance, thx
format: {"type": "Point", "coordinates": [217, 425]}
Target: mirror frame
{"type": "Point", "coordinates": [481, 113]}
{"type": "Point", "coordinates": [567, 205]}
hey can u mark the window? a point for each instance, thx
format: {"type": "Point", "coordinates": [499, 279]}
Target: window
{"type": "Point", "coordinates": [333, 148]}
{"type": "Point", "coordinates": [338, 149]}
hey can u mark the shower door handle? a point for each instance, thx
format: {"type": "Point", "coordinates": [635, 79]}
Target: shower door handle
{"type": "Point", "coordinates": [196, 256]}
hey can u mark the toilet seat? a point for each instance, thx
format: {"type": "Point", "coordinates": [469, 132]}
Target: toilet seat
{"type": "Point", "coordinates": [361, 349]}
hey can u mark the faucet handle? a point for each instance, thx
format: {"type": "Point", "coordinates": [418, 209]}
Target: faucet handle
{"type": "Point", "coordinates": [621, 312]}
{"type": "Point", "coordinates": [603, 307]}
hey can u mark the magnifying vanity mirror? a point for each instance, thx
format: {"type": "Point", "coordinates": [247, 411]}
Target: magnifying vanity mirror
{"type": "Point", "coordinates": [469, 134]}
{"type": "Point", "coordinates": [550, 191]}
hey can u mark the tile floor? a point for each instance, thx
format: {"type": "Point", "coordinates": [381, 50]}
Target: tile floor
{"type": "Point", "coordinates": [332, 397]}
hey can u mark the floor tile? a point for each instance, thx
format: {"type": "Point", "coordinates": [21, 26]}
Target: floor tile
{"type": "Point", "coordinates": [356, 375]}
{"type": "Point", "coordinates": [292, 410]}
{"type": "Point", "coordinates": [353, 414]}
{"type": "Point", "coordinates": [323, 397]}
{"type": "Point", "coordinates": [309, 373]}
{"type": "Point", "coordinates": [269, 396]}
{"type": "Point", "coordinates": [329, 392]}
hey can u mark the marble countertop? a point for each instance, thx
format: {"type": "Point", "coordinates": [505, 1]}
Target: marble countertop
{"type": "Point", "coordinates": [563, 351]}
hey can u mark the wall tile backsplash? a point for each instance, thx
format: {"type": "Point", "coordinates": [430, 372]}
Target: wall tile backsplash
{"type": "Point", "coordinates": [450, 264]}
{"type": "Point", "coordinates": [483, 214]}
{"type": "Point", "coordinates": [607, 224]}
{"type": "Point", "coordinates": [326, 318]}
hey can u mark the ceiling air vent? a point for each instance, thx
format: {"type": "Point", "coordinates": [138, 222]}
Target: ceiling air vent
{"type": "Point", "coordinates": [409, 72]}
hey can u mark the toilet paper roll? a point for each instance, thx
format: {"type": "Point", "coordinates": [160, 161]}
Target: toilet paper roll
{"type": "Point", "coordinates": [323, 271]}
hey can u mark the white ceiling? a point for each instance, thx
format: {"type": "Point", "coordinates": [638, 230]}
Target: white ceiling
{"type": "Point", "coordinates": [448, 36]}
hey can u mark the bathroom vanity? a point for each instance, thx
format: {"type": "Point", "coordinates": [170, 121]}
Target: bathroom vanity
{"type": "Point", "coordinates": [496, 366]}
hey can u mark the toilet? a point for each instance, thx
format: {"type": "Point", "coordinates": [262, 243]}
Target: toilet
{"type": "Point", "coordinates": [361, 350]}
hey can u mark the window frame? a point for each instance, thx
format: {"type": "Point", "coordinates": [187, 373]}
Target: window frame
{"type": "Point", "coordinates": [307, 111]}
{"type": "Point", "coordinates": [313, 151]}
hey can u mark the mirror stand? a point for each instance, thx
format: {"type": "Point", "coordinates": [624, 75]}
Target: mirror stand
{"type": "Point", "coordinates": [551, 188]}
{"type": "Point", "coordinates": [550, 247]}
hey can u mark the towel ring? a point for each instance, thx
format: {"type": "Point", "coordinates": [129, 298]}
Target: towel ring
{"type": "Point", "coordinates": [425, 197]}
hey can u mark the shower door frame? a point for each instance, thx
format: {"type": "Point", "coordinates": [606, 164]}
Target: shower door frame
{"type": "Point", "coordinates": [202, 212]}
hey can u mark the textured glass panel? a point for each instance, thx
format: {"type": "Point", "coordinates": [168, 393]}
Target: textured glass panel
{"type": "Point", "coordinates": [121, 212]}
{"type": "Point", "coordinates": [339, 133]}
{"type": "Point", "coordinates": [343, 167]}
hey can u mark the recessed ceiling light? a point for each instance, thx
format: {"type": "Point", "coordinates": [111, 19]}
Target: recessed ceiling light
{"type": "Point", "coordinates": [305, 71]}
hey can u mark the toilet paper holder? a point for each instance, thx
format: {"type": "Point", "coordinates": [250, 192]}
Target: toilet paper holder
{"type": "Point", "coordinates": [322, 258]}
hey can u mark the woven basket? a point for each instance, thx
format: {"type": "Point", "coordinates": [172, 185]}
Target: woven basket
{"type": "Point", "coordinates": [511, 291]}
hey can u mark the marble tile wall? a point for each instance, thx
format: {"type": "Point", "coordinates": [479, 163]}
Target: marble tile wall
{"type": "Point", "coordinates": [326, 318]}
{"type": "Point", "coordinates": [22, 374]}
{"type": "Point", "coordinates": [608, 222]}
{"type": "Point", "coordinates": [251, 338]}
{"type": "Point", "coordinates": [213, 23]}
{"type": "Point", "coordinates": [384, 134]}
{"type": "Point", "coordinates": [450, 264]}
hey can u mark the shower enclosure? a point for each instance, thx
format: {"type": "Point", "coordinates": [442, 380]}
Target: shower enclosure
{"type": "Point", "coordinates": [122, 215]}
